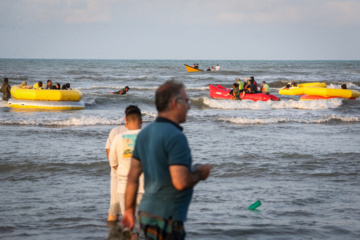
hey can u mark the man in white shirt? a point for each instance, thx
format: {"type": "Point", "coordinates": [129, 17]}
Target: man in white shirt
{"type": "Point", "coordinates": [114, 210]}
{"type": "Point", "coordinates": [120, 158]}
{"type": "Point", "coordinates": [217, 68]}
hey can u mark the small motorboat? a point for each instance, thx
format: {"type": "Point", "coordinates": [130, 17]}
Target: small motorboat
{"type": "Point", "coordinates": [191, 69]}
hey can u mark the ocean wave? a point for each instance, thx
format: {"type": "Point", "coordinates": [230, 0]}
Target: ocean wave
{"type": "Point", "coordinates": [136, 88]}
{"type": "Point", "coordinates": [117, 88]}
{"type": "Point", "coordinates": [76, 121]}
{"type": "Point", "coordinates": [268, 105]}
{"type": "Point", "coordinates": [266, 120]}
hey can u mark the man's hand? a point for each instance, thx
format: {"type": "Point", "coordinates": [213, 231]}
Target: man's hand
{"type": "Point", "coordinates": [128, 219]}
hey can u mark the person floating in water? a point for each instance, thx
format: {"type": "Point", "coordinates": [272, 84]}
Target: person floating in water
{"type": "Point", "coordinates": [122, 91]}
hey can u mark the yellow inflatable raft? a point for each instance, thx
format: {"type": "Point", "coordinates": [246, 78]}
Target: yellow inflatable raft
{"type": "Point", "coordinates": [45, 94]}
{"type": "Point", "coordinates": [51, 105]}
{"type": "Point", "coordinates": [46, 99]}
{"type": "Point", "coordinates": [319, 89]}
{"type": "Point", "coordinates": [299, 89]}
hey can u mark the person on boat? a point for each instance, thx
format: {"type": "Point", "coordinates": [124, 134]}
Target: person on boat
{"type": "Point", "coordinates": [254, 90]}
{"type": "Point", "coordinates": [264, 88]}
{"type": "Point", "coordinates": [217, 68]}
{"type": "Point", "coordinates": [25, 86]}
{"type": "Point", "coordinates": [240, 83]}
{"type": "Point", "coordinates": [5, 89]}
{"type": "Point", "coordinates": [288, 86]}
{"type": "Point", "coordinates": [236, 91]}
{"type": "Point", "coordinates": [343, 86]}
{"type": "Point", "coordinates": [63, 87]}
{"type": "Point", "coordinates": [208, 69]}
{"type": "Point", "coordinates": [57, 86]}
{"type": "Point", "coordinates": [67, 85]}
{"type": "Point", "coordinates": [194, 65]}
{"type": "Point", "coordinates": [48, 84]}
{"type": "Point", "coordinates": [38, 85]}
{"type": "Point", "coordinates": [250, 87]}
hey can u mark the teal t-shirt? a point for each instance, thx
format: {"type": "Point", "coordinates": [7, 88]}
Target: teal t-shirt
{"type": "Point", "coordinates": [158, 146]}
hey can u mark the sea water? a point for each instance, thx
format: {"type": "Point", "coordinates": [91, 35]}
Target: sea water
{"type": "Point", "coordinates": [299, 158]}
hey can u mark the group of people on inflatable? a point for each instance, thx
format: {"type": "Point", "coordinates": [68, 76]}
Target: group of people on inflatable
{"type": "Point", "coordinates": [49, 85]}
{"type": "Point", "coordinates": [240, 88]}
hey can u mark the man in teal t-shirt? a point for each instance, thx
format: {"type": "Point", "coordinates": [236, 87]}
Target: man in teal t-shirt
{"type": "Point", "coordinates": [163, 154]}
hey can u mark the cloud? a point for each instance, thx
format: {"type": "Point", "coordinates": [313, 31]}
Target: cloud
{"type": "Point", "coordinates": [187, 12]}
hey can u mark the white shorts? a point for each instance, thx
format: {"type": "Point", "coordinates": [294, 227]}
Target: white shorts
{"type": "Point", "coordinates": [114, 198]}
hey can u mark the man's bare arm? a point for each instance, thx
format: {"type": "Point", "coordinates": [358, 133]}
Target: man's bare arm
{"type": "Point", "coordinates": [182, 178]}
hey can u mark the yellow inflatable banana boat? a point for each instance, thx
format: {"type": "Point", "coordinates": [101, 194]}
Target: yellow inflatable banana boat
{"type": "Point", "coordinates": [46, 99]}
{"type": "Point", "coordinates": [46, 94]}
{"type": "Point", "coordinates": [319, 89]}
{"type": "Point", "coordinates": [299, 89]}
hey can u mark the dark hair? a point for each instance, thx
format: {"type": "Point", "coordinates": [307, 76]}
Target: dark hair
{"type": "Point", "coordinates": [288, 85]}
{"type": "Point", "coordinates": [343, 86]}
{"type": "Point", "coordinates": [40, 83]}
{"type": "Point", "coordinates": [49, 81]}
{"type": "Point", "coordinates": [132, 111]}
{"type": "Point", "coordinates": [63, 87]}
{"type": "Point", "coordinates": [6, 79]}
{"type": "Point", "coordinates": [58, 84]}
{"type": "Point", "coordinates": [236, 85]}
{"type": "Point", "coordinates": [165, 93]}
{"type": "Point", "coordinates": [53, 87]}
{"type": "Point", "coordinates": [252, 78]}
{"type": "Point", "coordinates": [127, 87]}
{"type": "Point", "coordinates": [67, 85]}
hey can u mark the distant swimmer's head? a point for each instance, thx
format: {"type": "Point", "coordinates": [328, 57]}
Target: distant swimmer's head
{"type": "Point", "coordinates": [127, 88]}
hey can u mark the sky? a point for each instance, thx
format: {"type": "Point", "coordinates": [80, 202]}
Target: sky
{"type": "Point", "coordinates": [181, 29]}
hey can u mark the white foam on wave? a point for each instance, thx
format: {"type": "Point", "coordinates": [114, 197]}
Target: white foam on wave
{"type": "Point", "coordinates": [197, 88]}
{"type": "Point", "coordinates": [76, 121]}
{"type": "Point", "coordinates": [273, 120]}
{"type": "Point", "coordinates": [117, 88]}
{"type": "Point", "coordinates": [268, 105]}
